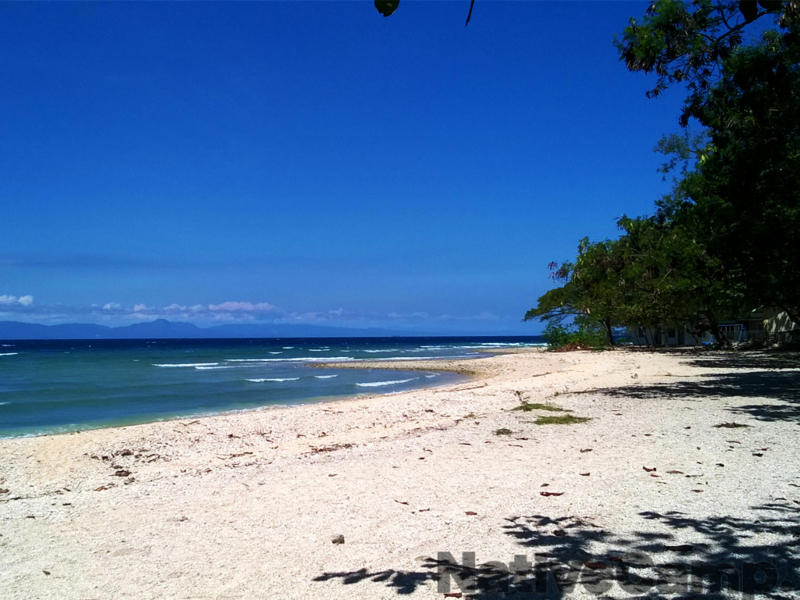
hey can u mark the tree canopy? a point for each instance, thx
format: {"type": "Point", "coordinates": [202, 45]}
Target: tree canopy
{"type": "Point", "coordinates": [726, 240]}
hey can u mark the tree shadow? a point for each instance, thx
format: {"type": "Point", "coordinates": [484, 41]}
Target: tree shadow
{"type": "Point", "coordinates": [748, 360]}
{"type": "Point", "coordinates": [672, 555]}
{"type": "Point", "coordinates": [562, 555]}
{"type": "Point", "coordinates": [783, 386]}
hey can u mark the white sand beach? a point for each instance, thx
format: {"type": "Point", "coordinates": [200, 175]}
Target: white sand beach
{"type": "Point", "coordinates": [247, 505]}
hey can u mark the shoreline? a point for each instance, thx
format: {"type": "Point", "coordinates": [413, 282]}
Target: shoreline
{"type": "Point", "coordinates": [191, 507]}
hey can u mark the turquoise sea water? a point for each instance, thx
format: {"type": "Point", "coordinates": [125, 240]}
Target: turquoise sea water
{"type": "Point", "coordinates": [67, 385]}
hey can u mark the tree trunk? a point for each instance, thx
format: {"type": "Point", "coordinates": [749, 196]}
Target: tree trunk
{"type": "Point", "coordinates": [609, 333]}
{"type": "Point", "coordinates": [713, 326]}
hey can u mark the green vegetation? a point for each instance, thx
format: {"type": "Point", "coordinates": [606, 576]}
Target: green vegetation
{"type": "Point", "coordinates": [503, 431]}
{"type": "Point", "coordinates": [526, 407]}
{"type": "Point", "coordinates": [561, 420]}
{"type": "Point", "coordinates": [724, 242]}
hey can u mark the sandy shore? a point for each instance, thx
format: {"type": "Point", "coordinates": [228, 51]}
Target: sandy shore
{"type": "Point", "coordinates": [246, 505]}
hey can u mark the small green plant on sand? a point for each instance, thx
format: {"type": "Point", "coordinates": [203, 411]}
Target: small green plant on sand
{"type": "Point", "coordinates": [561, 420]}
{"type": "Point", "coordinates": [503, 431]}
{"type": "Point", "coordinates": [527, 407]}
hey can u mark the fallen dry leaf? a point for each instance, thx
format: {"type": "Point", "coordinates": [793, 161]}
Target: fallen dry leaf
{"type": "Point", "coordinates": [471, 513]}
{"type": "Point", "coordinates": [649, 470]}
{"type": "Point", "coordinates": [673, 472]}
{"type": "Point", "coordinates": [584, 474]}
{"type": "Point", "coordinates": [551, 493]}
{"type": "Point", "coordinates": [586, 450]}
{"type": "Point", "coordinates": [594, 565]}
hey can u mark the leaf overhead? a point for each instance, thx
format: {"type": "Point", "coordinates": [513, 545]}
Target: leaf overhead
{"type": "Point", "coordinates": [386, 7]}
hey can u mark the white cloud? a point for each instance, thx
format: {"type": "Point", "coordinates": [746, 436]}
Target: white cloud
{"type": "Point", "coordinates": [11, 300]}
{"type": "Point", "coordinates": [174, 308]}
{"type": "Point", "coordinates": [241, 307]}
{"type": "Point", "coordinates": [112, 306]}
{"type": "Point", "coordinates": [139, 308]}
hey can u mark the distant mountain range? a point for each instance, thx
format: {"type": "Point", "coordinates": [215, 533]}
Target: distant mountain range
{"type": "Point", "coordinates": [163, 329]}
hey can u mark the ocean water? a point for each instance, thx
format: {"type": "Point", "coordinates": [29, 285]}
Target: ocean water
{"type": "Point", "coordinates": [60, 386]}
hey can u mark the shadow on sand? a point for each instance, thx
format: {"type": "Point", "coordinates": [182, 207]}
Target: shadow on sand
{"type": "Point", "coordinates": [773, 378]}
{"type": "Point", "coordinates": [559, 556]}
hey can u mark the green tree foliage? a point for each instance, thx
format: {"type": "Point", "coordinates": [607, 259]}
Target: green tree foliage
{"type": "Point", "coordinates": [748, 185]}
{"type": "Point", "coordinates": [589, 290]}
{"type": "Point", "coordinates": [582, 332]}
{"type": "Point", "coordinates": [690, 42]}
{"type": "Point", "coordinates": [740, 199]}
{"type": "Point", "coordinates": [656, 275]}
{"type": "Point", "coordinates": [670, 279]}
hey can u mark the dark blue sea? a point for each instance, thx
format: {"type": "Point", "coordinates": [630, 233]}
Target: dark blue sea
{"type": "Point", "coordinates": [59, 386]}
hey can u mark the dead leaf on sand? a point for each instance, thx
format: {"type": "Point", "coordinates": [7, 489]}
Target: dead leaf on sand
{"type": "Point", "coordinates": [649, 470]}
{"type": "Point", "coordinates": [594, 565]}
{"type": "Point", "coordinates": [551, 493]}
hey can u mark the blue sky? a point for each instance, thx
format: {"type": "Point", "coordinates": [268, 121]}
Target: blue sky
{"type": "Point", "coordinates": [313, 162]}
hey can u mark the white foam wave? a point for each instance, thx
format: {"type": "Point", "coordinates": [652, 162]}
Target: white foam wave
{"type": "Point", "coordinates": [4, 403]}
{"type": "Point", "coordinates": [376, 351]}
{"type": "Point", "coordinates": [276, 352]}
{"type": "Point", "coordinates": [383, 383]}
{"type": "Point", "coordinates": [411, 358]}
{"type": "Point", "coordinates": [431, 376]}
{"type": "Point", "coordinates": [195, 365]}
{"type": "Point", "coordinates": [302, 359]}
{"type": "Point", "coordinates": [8, 353]}
{"type": "Point", "coordinates": [325, 376]}
{"type": "Point", "coordinates": [274, 379]}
